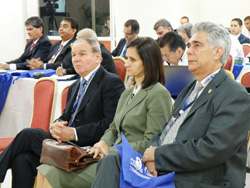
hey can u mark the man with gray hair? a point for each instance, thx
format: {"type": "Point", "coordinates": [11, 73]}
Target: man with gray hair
{"type": "Point", "coordinates": [162, 27]}
{"type": "Point", "coordinates": [107, 60]}
{"type": "Point", "coordinates": [90, 108]}
{"type": "Point", "coordinates": [38, 46]}
{"type": "Point", "coordinates": [185, 31]}
{"type": "Point", "coordinates": [204, 142]}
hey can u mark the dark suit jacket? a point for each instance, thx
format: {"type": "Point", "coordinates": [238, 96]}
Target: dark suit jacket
{"type": "Point", "coordinates": [63, 58]}
{"type": "Point", "coordinates": [97, 108]}
{"type": "Point", "coordinates": [210, 148]}
{"type": "Point", "coordinates": [118, 50]}
{"type": "Point", "coordinates": [243, 39]}
{"type": "Point", "coordinates": [107, 62]}
{"type": "Point", "coordinates": [41, 49]}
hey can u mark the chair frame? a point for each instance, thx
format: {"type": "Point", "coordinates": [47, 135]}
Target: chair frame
{"type": "Point", "coordinates": [53, 101]}
{"type": "Point", "coordinates": [243, 76]}
{"type": "Point", "coordinates": [230, 74]}
{"type": "Point", "coordinates": [248, 45]}
{"type": "Point", "coordinates": [123, 60]}
{"type": "Point", "coordinates": [232, 66]}
{"type": "Point", "coordinates": [62, 102]}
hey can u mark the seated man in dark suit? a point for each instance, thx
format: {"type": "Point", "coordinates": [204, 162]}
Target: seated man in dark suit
{"type": "Point", "coordinates": [162, 27]}
{"type": "Point", "coordinates": [60, 53]}
{"type": "Point", "coordinates": [131, 30]}
{"type": "Point", "coordinates": [38, 46]}
{"type": "Point", "coordinates": [236, 30]}
{"type": "Point", "coordinates": [107, 60]}
{"type": "Point", "coordinates": [204, 142]}
{"type": "Point", "coordinates": [90, 108]}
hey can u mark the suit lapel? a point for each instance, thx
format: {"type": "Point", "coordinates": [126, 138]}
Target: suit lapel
{"type": "Point", "coordinates": [135, 101]}
{"type": "Point", "coordinates": [207, 92]}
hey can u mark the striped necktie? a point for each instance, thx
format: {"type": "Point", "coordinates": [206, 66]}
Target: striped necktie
{"type": "Point", "coordinates": [32, 46]}
{"type": "Point", "coordinates": [53, 58]}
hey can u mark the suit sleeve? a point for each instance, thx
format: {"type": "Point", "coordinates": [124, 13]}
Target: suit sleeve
{"type": "Point", "coordinates": [226, 132]}
{"type": "Point", "coordinates": [112, 90]}
{"type": "Point", "coordinates": [43, 50]}
{"type": "Point", "coordinates": [159, 107]}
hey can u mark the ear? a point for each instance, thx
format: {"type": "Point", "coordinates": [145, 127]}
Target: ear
{"type": "Point", "coordinates": [74, 31]}
{"type": "Point", "coordinates": [218, 52]}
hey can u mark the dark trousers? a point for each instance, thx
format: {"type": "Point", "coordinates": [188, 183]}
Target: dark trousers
{"type": "Point", "coordinates": [108, 172]}
{"type": "Point", "coordinates": [23, 156]}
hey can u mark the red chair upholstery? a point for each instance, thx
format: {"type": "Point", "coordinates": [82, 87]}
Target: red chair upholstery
{"type": "Point", "coordinates": [245, 79]}
{"type": "Point", "coordinates": [45, 91]}
{"type": "Point", "coordinates": [64, 98]}
{"type": "Point", "coordinates": [246, 49]}
{"type": "Point", "coordinates": [229, 64]}
{"type": "Point", "coordinates": [120, 68]}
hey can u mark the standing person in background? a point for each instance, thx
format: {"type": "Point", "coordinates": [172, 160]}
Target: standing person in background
{"type": "Point", "coordinates": [38, 46]}
{"type": "Point", "coordinates": [131, 30]}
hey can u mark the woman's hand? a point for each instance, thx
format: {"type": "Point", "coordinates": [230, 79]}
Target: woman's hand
{"type": "Point", "coordinates": [99, 149]}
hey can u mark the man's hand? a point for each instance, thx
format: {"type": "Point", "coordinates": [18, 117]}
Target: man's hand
{"type": "Point", "coordinates": [99, 149]}
{"type": "Point", "coordinates": [4, 66]}
{"type": "Point", "coordinates": [61, 132]}
{"type": "Point", "coordinates": [151, 168]}
{"type": "Point", "coordinates": [34, 64]}
{"type": "Point", "coordinates": [60, 71]}
{"type": "Point", "coordinates": [149, 155]}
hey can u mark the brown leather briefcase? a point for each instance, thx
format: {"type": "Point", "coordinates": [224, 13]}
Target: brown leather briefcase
{"type": "Point", "coordinates": [65, 156]}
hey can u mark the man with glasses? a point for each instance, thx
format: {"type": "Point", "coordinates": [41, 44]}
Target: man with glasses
{"type": "Point", "coordinates": [131, 30]}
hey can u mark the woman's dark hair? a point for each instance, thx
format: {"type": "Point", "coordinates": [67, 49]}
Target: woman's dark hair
{"type": "Point", "coordinates": [151, 57]}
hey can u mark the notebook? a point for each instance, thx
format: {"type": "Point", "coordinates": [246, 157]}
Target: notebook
{"type": "Point", "coordinates": [176, 78]}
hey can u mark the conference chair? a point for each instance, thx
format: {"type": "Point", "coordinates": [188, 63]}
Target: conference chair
{"type": "Point", "coordinates": [245, 79]}
{"type": "Point", "coordinates": [120, 68]}
{"type": "Point", "coordinates": [246, 49]}
{"type": "Point", "coordinates": [45, 92]}
{"type": "Point", "coordinates": [230, 74]}
{"type": "Point", "coordinates": [64, 98]}
{"type": "Point", "coordinates": [230, 63]}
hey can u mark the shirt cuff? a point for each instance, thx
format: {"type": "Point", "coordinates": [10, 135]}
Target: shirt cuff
{"type": "Point", "coordinates": [76, 138]}
{"type": "Point", "coordinates": [12, 66]}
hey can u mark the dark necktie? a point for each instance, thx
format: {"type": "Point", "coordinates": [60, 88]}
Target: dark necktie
{"type": "Point", "coordinates": [77, 102]}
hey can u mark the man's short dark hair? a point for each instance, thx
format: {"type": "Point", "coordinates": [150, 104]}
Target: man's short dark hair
{"type": "Point", "coordinates": [238, 20]}
{"type": "Point", "coordinates": [173, 40]}
{"type": "Point", "coordinates": [247, 18]}
{"type": "Point", "coordinates": [135, 27]}
{"type": "Point", "coordinates": [74, 23]}
{"type": "Point", "coordinates": [35, 22]}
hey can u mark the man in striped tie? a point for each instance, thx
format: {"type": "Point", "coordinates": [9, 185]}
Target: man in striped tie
{"type": "Point", "coordinates": [90, 108]}
{"type": "Point", "coordinates": [60, 53]}
{"type": "Point", "coordinates": [38, 46]}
